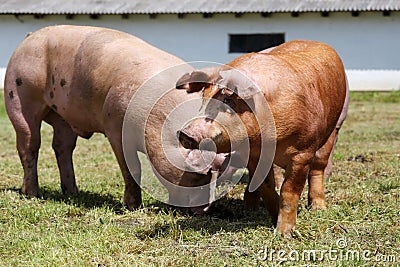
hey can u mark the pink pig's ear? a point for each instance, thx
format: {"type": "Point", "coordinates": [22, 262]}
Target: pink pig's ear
{"type": "Point", "coordinates": [237, 82]}
{"type": "Point", "coordinates": [193, 82]}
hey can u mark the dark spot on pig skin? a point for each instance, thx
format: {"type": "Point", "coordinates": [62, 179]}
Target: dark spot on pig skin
{"type": "Point", "coordinates": [54, 107]}
{"type": "Point", "coordinates": [11, 94]}
{"type": "Point", "coordinates": [18, 81]}
{"type": "Point", "coordinates": [62, 82]}
{"type": "Point", "coordinates": [52, 79]}
{"type": "Point", "coordinates": [51, 95]}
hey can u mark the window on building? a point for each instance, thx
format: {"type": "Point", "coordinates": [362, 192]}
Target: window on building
{"type": "Point", "coordinates": [246, 43]}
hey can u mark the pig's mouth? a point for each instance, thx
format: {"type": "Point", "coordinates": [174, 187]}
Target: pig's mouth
{"type": "Point", "coordinates": [203, 158]}
{"type": "Point", "coordinates": [229, 162]}
{"type": "Point", "coordinates": [200, 210]}
{"type": "Point", "coordinates": [210, 164]}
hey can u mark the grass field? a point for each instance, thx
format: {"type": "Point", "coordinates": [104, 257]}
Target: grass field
{"type": "Point", "coordinates": [361, 226]}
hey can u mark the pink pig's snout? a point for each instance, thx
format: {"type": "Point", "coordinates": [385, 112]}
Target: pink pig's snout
{"type": "Point", "coordinates": [204, 134]}
{"type": "Point", "coordinates": [187, 140]}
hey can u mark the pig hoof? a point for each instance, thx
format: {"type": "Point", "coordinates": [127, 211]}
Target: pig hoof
{"type": "Point", "coordinates": [132, 204]}
{"type": "Point", "coordinates": [70, 191]}
{"type": "Point", "coordinates": [30, 192]}
{"type": "Point", "coordinates": [133, 207]}
{"type": "Point", "coordinates": [284, 230]}
{"type": "Point", "coordinates": [318, 205]}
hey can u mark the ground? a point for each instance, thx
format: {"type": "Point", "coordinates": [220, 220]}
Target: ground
{"type": "Point", "coordinates": [360, 227]}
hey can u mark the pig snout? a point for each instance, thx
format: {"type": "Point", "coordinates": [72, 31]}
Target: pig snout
{"type": "Point", "coordinates": [194, 132]}
{"type": "Point", "coordinates": [204, 134]}
{"type": "Point", "coordinates": [186, 140]}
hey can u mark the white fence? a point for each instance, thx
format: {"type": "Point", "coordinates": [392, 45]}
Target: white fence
{"type": "Point", "coordinates": [373, 80]}
{"type": "Point", "coordinates": [2, 74]}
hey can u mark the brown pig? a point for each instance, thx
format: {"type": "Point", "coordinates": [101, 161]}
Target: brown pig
{"type": "Point", "coordinates": [292, 97]}
{"type": "Point", "coordinates": [80, 80]}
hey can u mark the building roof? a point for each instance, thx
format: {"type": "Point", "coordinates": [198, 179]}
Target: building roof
{"type": "Point", "coordinates": [101, 7]}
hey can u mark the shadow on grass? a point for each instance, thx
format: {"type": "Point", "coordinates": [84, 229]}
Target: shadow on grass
{"type": "Point", "coordinates": [84, 199]}
{"type": "Point", "coordinates": [229, 215]}
{"type": "Point", "coordinates": [226, 214]}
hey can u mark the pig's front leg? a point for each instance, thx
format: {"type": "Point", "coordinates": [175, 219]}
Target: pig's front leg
{"type": "Point", "coordinates": [296, 174]}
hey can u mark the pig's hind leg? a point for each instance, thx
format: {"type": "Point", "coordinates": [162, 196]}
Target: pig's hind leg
{"type": "Point", "coordinates": [316, 194]}
{"type": "Point", "coordinates": [64, 142]}
{"type": "Point", "coordinates": [26, 111]}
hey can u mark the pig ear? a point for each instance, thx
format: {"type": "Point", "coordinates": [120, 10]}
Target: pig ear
{"type": "Point", "coordinates": [239, 83]}
{"type": "Point", "coordinates": [193, 82]}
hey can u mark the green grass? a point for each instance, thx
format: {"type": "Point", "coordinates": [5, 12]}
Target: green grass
{"type": "Point", "coordinates": [374, 96]}
{"type": "Point", "coordinates": [94, 229]}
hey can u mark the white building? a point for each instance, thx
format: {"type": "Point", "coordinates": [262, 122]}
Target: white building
{"type": "Point", "coordinates": [365, 33]}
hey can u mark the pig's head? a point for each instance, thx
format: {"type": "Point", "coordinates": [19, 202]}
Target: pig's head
{"type": "Point", "coordinates": [228, 118]}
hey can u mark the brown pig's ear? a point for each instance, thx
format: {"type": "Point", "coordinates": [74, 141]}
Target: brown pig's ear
{"type": "Point", "coordinates": [193, 82]}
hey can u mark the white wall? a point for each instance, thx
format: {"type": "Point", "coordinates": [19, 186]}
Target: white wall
{"type": "Point", "coordinates": [368, 42]}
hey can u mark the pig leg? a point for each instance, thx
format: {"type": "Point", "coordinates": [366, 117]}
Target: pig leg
{"type": "Point", "coordinates": [64, 142]}
{"type": "Point", "coordinates": [316, 194]}
{"type": "Point", "coordinates": [343, 115]}
{"type": "Point", "coordinates": [295, 177]}
{"type": "Point", "coordinates": [28, 144]}
{"type": "Point", "coordinates": [270, 196]}
{"type": "Point", "coordinates": [25, 113]}
{"type": "Point", "coordinates": [266, 191]}
{"type": "Point", "coordinates": [329, 167]}
{"type": "Point", "coordinates": [278, 177]}
{"type": "Point", "coordinates": [251, 199]}
{"type": "Point", "coordinates": [132, 194]}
